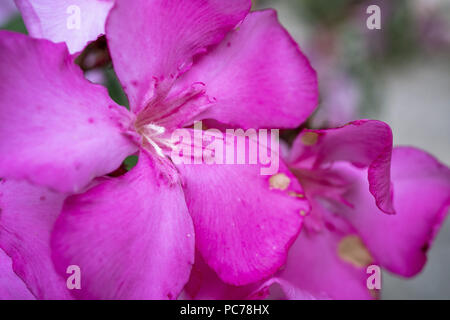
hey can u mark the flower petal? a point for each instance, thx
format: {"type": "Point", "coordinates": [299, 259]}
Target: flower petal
{"type": "Point", "coordinates": [364, 143]}
{"type": "Point", "coordinates": [27, 217]}
{"type": "Point", "coordinates": [422, 196]}
{"type": "Point", "coordinates": [58, 129]}
{"type": "Point", "coordinates": [162, 37]}
{"type": "Point", "coordinates": [75, 22]}
{"type": "Point", "coordinates": [204, 284]}
{"type": "Point", "coordinates": [244, 221]}
{"type": "Point", "coordinates": [11, 286]}
{"type": "Point", "coordinates": [257, 77]}
{"type": "Point", "coordinates": [131, 236]}
{"type": "Point", "coordinates": [288, 291]}
{"type": "Point", "coordinates": [314, 266]}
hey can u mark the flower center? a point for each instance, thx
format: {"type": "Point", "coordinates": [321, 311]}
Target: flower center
{"type": "Point", "coordinates": [170, 111]}
{"type": "Point", "coordinates": [155, 137]}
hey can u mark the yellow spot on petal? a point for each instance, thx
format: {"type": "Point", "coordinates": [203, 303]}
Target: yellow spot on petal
{"type": "Point", "coordinates": [295, 194]}
{"type": "Point", "coordinates": [302, 213]}
{"type": "Point", "coordinates": [309, 138]}
{"type": "Point", "coordinates": [279, 181]}
{"type": "Point", "coordinates": [351, 249]}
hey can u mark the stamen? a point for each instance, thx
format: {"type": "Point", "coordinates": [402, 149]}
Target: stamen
{"type": "Point", "coordinates": [152, 134]}
{"type": "Point", "coordinates": [155, 146]}
{"type": "Point", "coordinates": [155, 128]}
{"type": "Point", "coordinates": [172, 104]}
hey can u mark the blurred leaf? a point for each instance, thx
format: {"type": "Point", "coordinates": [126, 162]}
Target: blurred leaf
{"type": "Point", "coordinates": [402, 42]}
{"type": "Point", "coordinates": [115, 89]}
{"type": "Point", "coordinates": [325, 11]}
{"type": "Point", "coordinates": [15, 24]}
{"type": "Point", "coordinates": [130, 162]}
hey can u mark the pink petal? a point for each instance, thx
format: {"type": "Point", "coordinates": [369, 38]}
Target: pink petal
{"type": "Point", "coordinates": [58, 129]}
{"type": "Point", "coordinates": [57, 20]}
{"type": "Point", "coordinates": [422, 197]}
{"type": "Point", "coordinates": [11, 286]}
{"type": "Point", "coordinates": [364, 143]}
{"type": "Point", "coordinates": [256, 77]}
{"type": "Point", "coordinates": [162, 37]}
{"type": "Point", "coordinates": [131, 236]}
{"type": "Point", "coordinates": [288, 291]}
{"type": "Point", "coordinates": [315, 268]}
{"type": "Point", "coordinates": [244, 222]}
{"type": "Point", "coordinates": [204, 284]}
{"type": "Point", "coordinates": [27, 217]}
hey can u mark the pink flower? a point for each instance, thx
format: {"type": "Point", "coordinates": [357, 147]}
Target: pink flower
{"type": "Point", "coordinates": [346, 175]}
{"type": "Point", "coordinates": [133, 236]}
{"type": "Point", "coordinates": [347, 186]}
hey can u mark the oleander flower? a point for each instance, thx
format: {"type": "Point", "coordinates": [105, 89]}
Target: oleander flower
{"type": "Point", "coordinates": [352, 224]}
{"type": "Point", "coordinates": [346, 225]}
{"type": "Point", "coordinates": [133, 236]}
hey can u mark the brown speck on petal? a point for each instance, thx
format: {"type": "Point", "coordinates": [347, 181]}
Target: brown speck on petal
{"type": "Point", "coordinates": [309, 138]}
{"type": "Point", "coordinates": [279, 181]}
{"type": "Point", "coordinates": [351, 249]}
{"type": "Point", "coordinates": [374, 293]}
{"type": "Point", "coordinates": [295, 194]}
